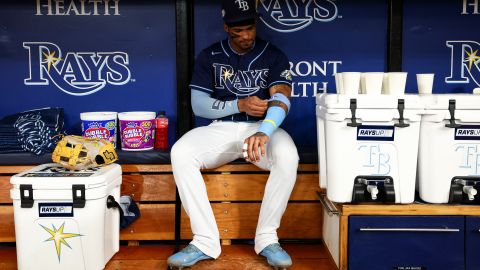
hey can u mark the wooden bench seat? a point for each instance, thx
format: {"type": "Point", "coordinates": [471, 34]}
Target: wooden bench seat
{"type": "Point", "coordinates": [235, 192]}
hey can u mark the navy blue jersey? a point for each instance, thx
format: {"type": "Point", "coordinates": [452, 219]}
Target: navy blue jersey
{"type": "Point", "coordinates": [226, 75]}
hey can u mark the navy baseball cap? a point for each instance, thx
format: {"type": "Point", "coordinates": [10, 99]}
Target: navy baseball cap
{"type": "Point", "coordinates": [239, 12]}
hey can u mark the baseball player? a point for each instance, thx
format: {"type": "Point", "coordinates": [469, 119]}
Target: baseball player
{"type": "Point", "coordinates": [243, 84]}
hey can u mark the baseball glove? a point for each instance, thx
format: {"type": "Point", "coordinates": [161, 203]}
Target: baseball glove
{"type": "Point", "coordinates": [79, 153]}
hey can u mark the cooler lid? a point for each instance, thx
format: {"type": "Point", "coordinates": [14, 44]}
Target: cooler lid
{"type": "Point", "coordinates": [336, 101]}
{"type": "Point", "coordinates": [441, 101]}
{"type": "Point", "coordinates": [54, 176]}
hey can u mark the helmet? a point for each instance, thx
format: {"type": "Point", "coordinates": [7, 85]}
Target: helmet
{"type": "Point", "coordinates": [79, 153]}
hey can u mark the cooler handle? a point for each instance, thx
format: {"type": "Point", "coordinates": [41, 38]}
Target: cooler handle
{"type": "Point", "coordinates": [401, 121]}
{"type": "Point", "coordinates": [112, 203]}
{"type": "Point", "coordinates": [26, 196]}
{"type": "Point", "coordinates": [327, 204]}
{"type": "Point", "coordinates": [451, 109]}
{"type": "Point", "coordinates": [78, 199]}
{"type": "Point", "coordinates": [353, 108]}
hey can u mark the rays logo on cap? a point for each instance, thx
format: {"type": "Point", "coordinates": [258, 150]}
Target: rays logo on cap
{"type": "Point", "coordinates": [292, 15]}
{"type": "Point", "coordinates": [242, 4]}
{"type": "Point", "coordinates": [465, 59]}
{"type": "Point", "coordinates": [77, 74]}
{"type": "Point", "coordinates": [286, 74]}
{"type": "Point", "coordinates": [240, 82]}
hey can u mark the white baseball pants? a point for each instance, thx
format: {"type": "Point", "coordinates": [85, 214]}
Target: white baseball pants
{"type": "Point", "coordinates": [217, 144]}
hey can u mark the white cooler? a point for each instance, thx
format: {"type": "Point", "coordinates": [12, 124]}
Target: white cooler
{"type": "Point", "coordinates": [61, 217]}
{"type": "Point", "coordinates": [449, 153]}
{"type": "Point", "coordinates": [373, 156]}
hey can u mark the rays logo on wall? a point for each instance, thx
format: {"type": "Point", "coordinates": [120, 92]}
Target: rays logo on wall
{"type": "Point", "coordinates": [78, 74]}
{"type": "Point", "coordinates": [293, 15]}
{"type": "Point", "coordinates": [465, 59]}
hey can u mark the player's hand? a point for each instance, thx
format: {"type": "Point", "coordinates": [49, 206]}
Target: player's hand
{"type": "Point", "coordinates": [253, 106]}
{"type": "Point", "coordinates": [254, 147]}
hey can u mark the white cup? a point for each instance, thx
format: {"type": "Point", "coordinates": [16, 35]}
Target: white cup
{"type": "Point", "coordinates": [363, 89]}
{"type": "Point", "coordinates": [339, 83]}
{"type": "Point", "coordinates": [373, 82]}
{"type": "Point", "coordinates": [385, 89]}
{"type": "Point", "coordinates": [425, 83]}
{"type": "Point", "coordinates": [351, 82]}
{"type": "Point", "coordinates": [396, 82]}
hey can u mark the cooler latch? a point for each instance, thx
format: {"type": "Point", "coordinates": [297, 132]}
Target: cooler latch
{"type": "Point", "coordinates": [26, 196]}
{"type": "Point", "coordinates": [451, 109]}
{"type": "Point", "coordinates": [401, 108]}
{"type": "Point", "coordinates": [353, 108]}
{"type": "Point", "coordinates": [78, 192]}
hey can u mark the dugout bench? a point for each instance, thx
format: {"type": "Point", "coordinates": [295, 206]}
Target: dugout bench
{"type": "Point", "coordinates": [235, 191]}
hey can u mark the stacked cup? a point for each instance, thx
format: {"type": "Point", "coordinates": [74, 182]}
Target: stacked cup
{"type": "Point", "coordinates": [351, 82]}
{"type": "Point", "coordinates": [376, 83]}
{"type": "Point", "coordinates": [394, 83]}
{"type": "Point", "coordinates": [348, 83]}
{"type": "Point", "coordinates": [371, 83]}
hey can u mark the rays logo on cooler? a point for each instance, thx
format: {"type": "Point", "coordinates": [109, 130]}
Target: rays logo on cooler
{"type": "Point", "coordinates": [55, 210]}
{"type": "Point", "coordinates": [58, 237]}
{"type": "Point", "coordinates": [465, 58]}
{"type": "Point", "coordinates": [240, 82]}
{"type": "Point", "coordinates": [467, 132]}
{"type": "Point", "coordinates": [375, 133]}
{"type": "Point", "coordinates": [292, 15]}
{"type": "Point", "coordinates": [76, 73]}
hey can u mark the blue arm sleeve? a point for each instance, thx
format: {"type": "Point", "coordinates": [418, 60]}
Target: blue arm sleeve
{"type": "Point", "coordinates": [207, 107]}
{"type": "Point", "coordinates": [274, 118]}
{"type": "Point", "coordinates": [275, 115]}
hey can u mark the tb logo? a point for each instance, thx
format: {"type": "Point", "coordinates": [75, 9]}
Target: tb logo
{"type": "Point", "coordinates": [375, 158]}
{"type": "Point", "coordinates": [242, 4]}
{"type": "Point", "coordinates": [471, 157]}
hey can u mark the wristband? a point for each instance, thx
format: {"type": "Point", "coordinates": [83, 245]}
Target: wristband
{"type": "Point", "coordinates": [282, 98]}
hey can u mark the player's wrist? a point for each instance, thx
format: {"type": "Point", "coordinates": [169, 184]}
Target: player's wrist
{"type": "Point", "coordinates": [241, 105]}
{"type": "Point", "coordinates": [266, 128]}
{"type": "Point", "coordinates": [260, 133]}
{"type": "Point", "coordinates": [235, 106]}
